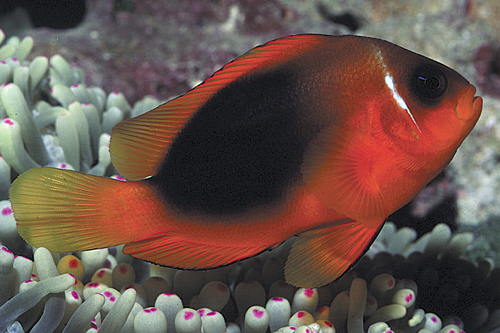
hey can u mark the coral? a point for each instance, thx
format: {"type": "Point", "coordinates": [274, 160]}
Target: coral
{"type": "Point", "coordinates": [476, 175]}
{"type": "Point", "coordinates": [487, 65]}
{"type": "Point", "coordinates": [70, 123]}
{"type": "Point", "coordinates": [112, 39]}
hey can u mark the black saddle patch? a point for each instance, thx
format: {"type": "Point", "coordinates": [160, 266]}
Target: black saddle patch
{"type": "Point", "coordinates": [240, 150]}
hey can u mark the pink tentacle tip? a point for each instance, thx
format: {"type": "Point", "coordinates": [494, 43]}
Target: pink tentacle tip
{"type": "Point", "coordinates": [188, 315]}
{"type": "Point", "coordinates": [8, 121]}
{"type": "Point", "coordinates": [64, 166]}
{"type": "Point", "coordinates": [168, 294]}
{"type": "Point", "coordinates": [7, 210]}
{"type": "Point", "coordinates": [123, 269]}
{"type": "Point", "coordinates": [73, 263]}
{"type": "Point", "coordinates": [213, 313]}
{"type": "Point", "coordinates": [150, 310]}
{"type": "Point", "coordinates": [6, 249]}
{"type": "Point", "coordinates": [74, 294]}
{"type": "Point", "coordinates": [409, 298]}
{"type": "Point", "coordinates": [258, 313]}
{"type": "Point", "coordinates": [309, 293]}
{"type": "Point", "coordinates": [101, 273]}
{"type": "Point", "coordinates": [300, 314]}
{"type": "Point", "coordinates": [93, 285]}
{"type": "Point", "coordinates": [201, 312]}
{"type": "Point", "coordinates": [108, 294]}
{"type": "Point", "coordinates": [277, 299]}
{"type": "Point", "coordinates": [329, 324]}
{"type": "Point", "coordinates": [390, 283]}
{"type": "Point", "coordinates": [76, 85]}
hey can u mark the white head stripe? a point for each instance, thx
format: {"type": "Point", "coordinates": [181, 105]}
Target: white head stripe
{"type": "Point", "coordinates": [390, 83]}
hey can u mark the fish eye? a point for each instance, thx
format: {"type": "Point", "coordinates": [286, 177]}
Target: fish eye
{"type": "Point", "coordinates": [428, 83]}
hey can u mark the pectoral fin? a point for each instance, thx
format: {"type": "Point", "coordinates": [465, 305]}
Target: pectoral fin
{"type": "Point", "coordinates": [319, 256]}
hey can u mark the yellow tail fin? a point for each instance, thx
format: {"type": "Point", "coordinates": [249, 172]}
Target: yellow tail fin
{"type": "Point", "coordinates": [70, 211]}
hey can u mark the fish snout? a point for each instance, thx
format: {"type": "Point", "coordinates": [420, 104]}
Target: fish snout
{"type": "Point", "coordinates": [469, 106]}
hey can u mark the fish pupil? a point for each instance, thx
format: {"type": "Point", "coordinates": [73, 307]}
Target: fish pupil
{"type": "Point", "coordinates": [431, 83]}
{"type": "Point", "coordinates": [428, 83]}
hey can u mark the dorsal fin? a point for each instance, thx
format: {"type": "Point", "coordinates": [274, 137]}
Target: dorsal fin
{"type": "Point", "coordinates": [138, 145]}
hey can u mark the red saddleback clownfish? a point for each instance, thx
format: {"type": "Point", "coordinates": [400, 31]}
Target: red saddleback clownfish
{"type": "Point", "coordinates": [310, 135]}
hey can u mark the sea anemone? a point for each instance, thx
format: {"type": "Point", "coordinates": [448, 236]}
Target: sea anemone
{"type": "Point", "coordinates": [367, 299]}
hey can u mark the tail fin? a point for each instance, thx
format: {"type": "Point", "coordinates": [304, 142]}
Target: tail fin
{"type": "Point", "coordinates": [70, 211]}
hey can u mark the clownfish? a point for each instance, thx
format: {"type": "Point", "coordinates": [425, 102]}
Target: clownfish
{"type": "Point", "coordinates": [311, 135]}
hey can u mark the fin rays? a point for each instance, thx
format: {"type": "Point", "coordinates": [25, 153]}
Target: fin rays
{"type": "Point", "coordinates": [147, 138]}
{"type": "Point", "coordinates": [67, 211]}
{"type": "Point", "coordinates": [170, 250]}
{"type": "Point", "coordinates": [338, 169]}
{"type": "Point", "coordinates": [320, 256]}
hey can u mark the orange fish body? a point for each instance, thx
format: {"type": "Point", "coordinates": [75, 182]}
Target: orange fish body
{"type": "Point", "coordinates": [310, 135]}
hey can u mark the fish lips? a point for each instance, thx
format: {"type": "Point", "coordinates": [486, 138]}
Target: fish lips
{"type": "Point", "coordinates": [469, 107]}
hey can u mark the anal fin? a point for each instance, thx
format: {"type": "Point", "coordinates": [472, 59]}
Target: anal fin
{"type": "Point", "coordinates": [173, 250]}
{"type": "Point", "coordinates": [319, 256]}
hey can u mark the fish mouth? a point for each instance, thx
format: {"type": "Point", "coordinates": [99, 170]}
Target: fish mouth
{"type": "Point", "coordinates": [469, 106]}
